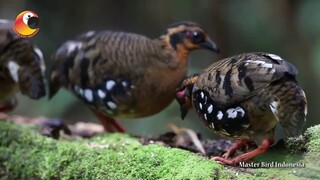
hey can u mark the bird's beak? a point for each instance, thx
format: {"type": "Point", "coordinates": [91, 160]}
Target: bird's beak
{"type": "Point", "coordinates": [184, 110]}
{"type": "Point", "coordinates": [209, 44]}
{"type": "Point", "coordinates": [33, 22]}
{"type": "Point", "coordinates": [180, 97]}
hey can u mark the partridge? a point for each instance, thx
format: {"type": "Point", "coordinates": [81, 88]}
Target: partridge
{"type": "Point", "coordinates": [22, 67]}
{"type": "Point", "coordinates": [126, 75]}
{"type": "Point", "coordinates": [243, 98]}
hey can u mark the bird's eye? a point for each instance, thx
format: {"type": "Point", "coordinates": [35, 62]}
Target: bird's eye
{"type": "Point", "coordinates": [26, 17]}
{"type": "Point", "coordinates": [196, 36]}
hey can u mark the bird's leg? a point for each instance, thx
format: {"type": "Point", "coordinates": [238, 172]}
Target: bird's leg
{"type": "Point", "coordinates": [237, 145]}
{"type": "Point", "coordinates": [246, 156]}
{"type": "Point", "coordinates": [109, 124]}
{"type": "Point", "coordinates": [8, 105]}
{"type": "Point", "coordinates": [247, 145]}
{"type": "Point", "coordinates": [7, 108]}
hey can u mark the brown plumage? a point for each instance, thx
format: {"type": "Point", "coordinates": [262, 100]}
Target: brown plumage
{"type": "Point", "coordinates": [21, 67]}
{"type": "Point", "coordinates": [120, 74]}
{"type": "Point", "coordinates": [244, 97]}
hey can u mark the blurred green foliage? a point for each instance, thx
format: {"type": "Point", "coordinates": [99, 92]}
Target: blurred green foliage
{"type": "Point", "coordinates": [289, 28]}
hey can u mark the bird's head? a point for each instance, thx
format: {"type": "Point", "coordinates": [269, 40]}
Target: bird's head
{"type": "Point", "coordinates": [184, 94]}
{"type": "Point", "coordinates": [186, 36]}
{"type": "Point", "coordinates": [26, 23]}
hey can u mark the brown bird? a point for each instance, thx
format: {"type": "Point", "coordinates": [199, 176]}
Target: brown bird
{"type": "Point", "coordinates": [22, 67]}
{"type": "Point", "coordinates": [244, 97]}
{"type": "Point", "coordinates": [126, 75]}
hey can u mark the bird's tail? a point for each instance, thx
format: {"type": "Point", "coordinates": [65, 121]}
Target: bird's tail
{"type": "Point", "coordinates": [289, 106]}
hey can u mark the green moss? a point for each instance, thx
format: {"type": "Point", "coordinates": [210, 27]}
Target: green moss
{"type": "Point", "coordinates": [309, 142]}
{"type": "Point", "coordinates": [313, 134]}
{"type": "Point", "coordinates": [24, 154]}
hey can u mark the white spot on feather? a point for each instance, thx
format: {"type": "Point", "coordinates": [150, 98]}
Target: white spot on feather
{"type": "Point", "coordinates": [212, 125]}
{"type": "Point", "coordinates": [88, 95]}
{"type": "Point", "coordinates": [124, 83]}
{"type": "Point", "coordinates": [205, 116]}
{"type": "Point", "coordinates": [200, 105]}
{"type": "Point", "coordinates": [305, 106]}
{"type": "Point", "coordinates": [261, 63]}
{"type": "Point", "coordinates": [205, 99]}
{"type": "Point", "coordinates": [110, 84]}
{"type": "Point", "coordinates": [101, 94]}
{"type": "Point", "coordinates": [219, 115]}
{"type": "Point", "coordinates": [202, 95]}
{"type": "Point", "coordinates": [255, 62]}
{"type": "Point", "coordinates": [305, 110]}
{"type": "Point", "coordinates": [13, 69]}
{"type": "Point", "coordinates": [112, 105]}
{"type": "Point", "coordinates": [274, 108]}
{"type": "Point", "coordinates": [210, 108]}
{"type": "Point", "coordinates": [38, 52]}
{"type": "Point", "coordinates": [275, 57]}
{"type": "Point", "coordinates": [89, 33]}
{"type": "Point", "coordinates": [72, 45]}
{"type": "Point", "coordinates": [267, 65]}
{"type": "Point", "coordinates": [233, 112]}
{"type": "Point", "coordinates": [42, 64]}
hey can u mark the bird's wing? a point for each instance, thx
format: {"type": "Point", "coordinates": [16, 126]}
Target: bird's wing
{"type": "Point", "coordinates": [235, 79]}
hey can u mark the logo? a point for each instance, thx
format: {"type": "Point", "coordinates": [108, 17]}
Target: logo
{"type": "Point", "coordinates": [26, 24]}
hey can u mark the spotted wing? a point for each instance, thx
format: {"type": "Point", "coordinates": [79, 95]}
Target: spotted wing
{"type": "Point", "coordinates": [238, 78]}
{"type": "Point", "coordinates": [226, 121]}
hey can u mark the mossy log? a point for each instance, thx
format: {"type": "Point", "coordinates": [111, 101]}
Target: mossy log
{"type": "Point", "coordinates": [25, 154]}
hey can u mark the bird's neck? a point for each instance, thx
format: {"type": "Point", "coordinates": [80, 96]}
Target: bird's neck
{"type": "Point", "coordinates": [179, 48]}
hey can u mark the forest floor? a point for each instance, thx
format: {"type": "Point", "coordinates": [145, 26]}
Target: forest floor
{"type": "Point", "coordinates": [193, 164]}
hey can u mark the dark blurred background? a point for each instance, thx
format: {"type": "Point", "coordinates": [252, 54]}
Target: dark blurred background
{"type": "Point", "coordinates": [289, 28]}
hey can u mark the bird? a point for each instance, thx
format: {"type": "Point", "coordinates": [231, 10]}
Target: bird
{"type": "Point", "coordinates": [243, 98]}
{"type": "Point", "coordinates": [22, 67]}
{"type": "Point", "coordinates": [26, 24]}
{"type": "Point", "coordinates": [120, 74]}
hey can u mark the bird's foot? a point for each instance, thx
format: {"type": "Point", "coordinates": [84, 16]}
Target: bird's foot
{"type": "Point", "coordinates": [237, 145]}
{"type": "Point", "coordinates": [246, 156]}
